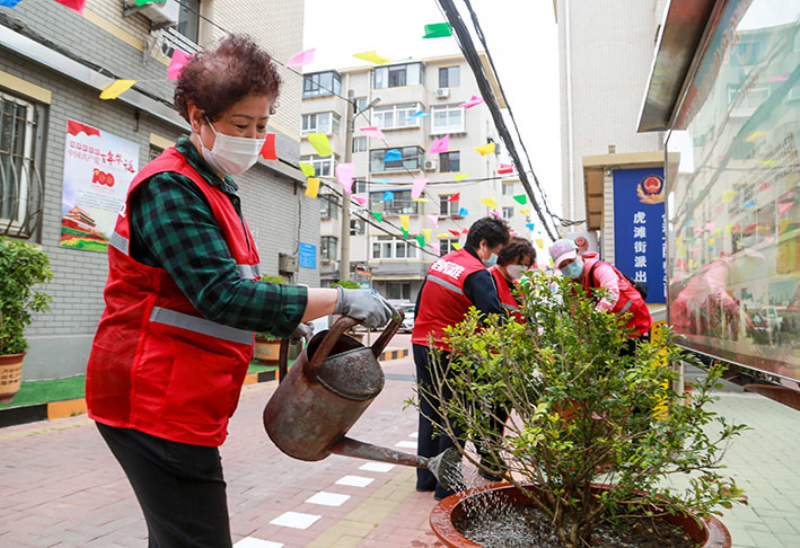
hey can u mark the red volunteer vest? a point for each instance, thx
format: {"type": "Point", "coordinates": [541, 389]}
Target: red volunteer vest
{"type": "Point", "coordinates": [443, 302]}
{"type": "Point", "coordinates": [156, 364]}
{"type": "Point", "coordinates": [629, 301]}
{"type": "Point", "coordinates": [507, 298]}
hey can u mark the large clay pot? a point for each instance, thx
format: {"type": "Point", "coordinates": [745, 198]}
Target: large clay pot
{"type": "Point", "coordinates": [10, 376]}
{"type": "Point", "coordinates": [267, 352]}
{"type": "Point", "coordinates": [452, 509]}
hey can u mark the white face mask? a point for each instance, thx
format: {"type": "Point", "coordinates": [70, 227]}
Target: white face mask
{"type": "Point", "coordinates": [233, 155]}
{"type": "Point", "coordinates": [515, 271]}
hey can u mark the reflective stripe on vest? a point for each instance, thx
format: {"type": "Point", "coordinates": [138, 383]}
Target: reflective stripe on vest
{"type": "Point", "coordinates": [120, 242]}
{"type": "Point", "coordinates": [624, 308]}
{"type": "Point", "coordinates": [201, 325]}
{"type": "Point", "coordinates": [249, 272]}
{"type": "Point", "coordinates": [446, 284]}
{"type": "Point", "coordinates": [512, 308]}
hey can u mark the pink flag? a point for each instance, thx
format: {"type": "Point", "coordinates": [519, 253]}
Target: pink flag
{"type": "Point", "coordinates": [302, 58]}
{"type": "Point", "coordinates": [709, 226]}
{"type": "Point", "coordinates": [698, 230]}
{"type": "Point", "coordinates": [74, 5]}
{"type": "Point", "coordinates": [777, 79]}
{"type": "Point", "coordinates": [373, 131]}
{"type": "Point", "coordinates": [434, 219]}
{"type": "Point", "coordinates": [513, 233]}
{"type": "Point", "coordinates": [417, 187]}
{"type": "Point", "coordinates": [783, 208]}
{"type": "Point", "coordinates": [496, 214]}
{"type": "Point", "coordinates": [440, 146]}
{"type": "Point", "coordinates": [472, 102]}
{"type": "Point", "coordinates": [505, 168]}
{"type": "Point", "coordinates": [179, 60]}
{"type": "Point", "coordinates": [344, 174]}
{"type": "Point", "coordinates": [359, 200]}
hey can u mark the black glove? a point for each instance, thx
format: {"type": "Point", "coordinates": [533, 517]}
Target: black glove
{"type": "Point", "coordinates": [366, 305]}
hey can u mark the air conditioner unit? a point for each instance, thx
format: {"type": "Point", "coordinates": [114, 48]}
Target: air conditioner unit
{"type": "Point", "coordinates": [431, 165]}
{"type": "Point", "coordinates": [162, 14]}
{"type": "Point", "coordinates": [287, 263]}
{"type": "Point", "coordinates": [442, 93]}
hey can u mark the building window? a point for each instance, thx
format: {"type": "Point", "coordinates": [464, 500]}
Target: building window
{"type": "Point", "coordinates": [189, 20]}
{"type": "Point", "coordinates": [390, 248]}
{"type": "Point", "coordinates": [359, 186]}
{"type": "Point", "coordinates": [446, 245]}
{"type": "Point", "coordinates": [450, 162]}
{"type": "Point", "coordinates": [361, 104]}
{"type": "Point", "coordinates": [396, 116]}
{"type": "Point", "coordinates": [357, 227]}
{"type": "Point", "coordinates": [359, 144]}
{"type": "Point", "coordinates": [328, 248]}
{"type": "Point", "coordinates": [508, 212]}
{"type": "Point", "coordinates": [449, 77]}
{"type": "Point", "coordinates": [401, 204]}
{"type": "Point", "coordinates": [319, 84]}
{"type": "Point", "coordinates": [411, 160]}
{"type": "Point", "coordinates": [397, 75]}
{"type": "Point", "coordinates": [447, 119]}
{"type": "Point", "coordinates": [321, 122]}
{"type": "Point", "coordinates": [17, 147]}
{"type": "Point", "coordinates": [509, 189]}
{"type": "Point", "coordinates": [745, 102]}
{"type": "Point", "coordinates": [398, 291]}
{"type": "Point", "coordinates": [328, 206]}
{"type": "Point", "coordinates": [448, 208]}
{"type": "Point", "coordinates": [323, 167]}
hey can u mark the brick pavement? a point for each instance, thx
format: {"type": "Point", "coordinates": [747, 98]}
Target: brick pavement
{"type": "Point", "coordinates": [61, 487]}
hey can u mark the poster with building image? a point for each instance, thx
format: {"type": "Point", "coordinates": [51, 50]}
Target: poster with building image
{"type": "Point", "coordinates": [98, 170]}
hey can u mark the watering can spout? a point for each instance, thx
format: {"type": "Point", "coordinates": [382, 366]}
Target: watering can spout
{"type": "Point", "coordinates": [446, 466]}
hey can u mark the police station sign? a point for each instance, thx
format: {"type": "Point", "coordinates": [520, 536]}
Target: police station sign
{"type": "Point", "coordinates": [640, 243]}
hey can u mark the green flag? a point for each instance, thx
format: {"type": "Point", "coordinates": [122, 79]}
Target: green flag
{"type": "Point", "coordinates": [438, 30]}
{"type": "Point", "coordinates": [521, 199]}
{"type": "Point", "coordinates": [378, 216]}
{"type": "Point", "coordinates": [405, 234]}
{"type": "Point", "coordinates": [421, 241]}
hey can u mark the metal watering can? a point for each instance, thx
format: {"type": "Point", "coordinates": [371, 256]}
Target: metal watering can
{"type": "Point", "coordinates": [321, 397]}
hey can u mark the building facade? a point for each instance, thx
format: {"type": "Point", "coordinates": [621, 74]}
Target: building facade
{"type": "Point", "coordinates": [388, 97]}
{"type": "Point", "coordinates": [53, 66]}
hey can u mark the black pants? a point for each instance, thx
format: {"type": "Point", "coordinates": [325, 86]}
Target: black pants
{"type": "Point", "coordinates": [179, 487]}
{"type": "Point", "coordinates": [427, 445]}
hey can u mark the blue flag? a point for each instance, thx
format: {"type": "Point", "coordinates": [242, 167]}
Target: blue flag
{"type": "Point", "coordinates": [9, 3]}
{"type": "Point", "coordinates": [463, 212]}
{"type": "Point", "coordinates": [393, 155]}
{"type": "Point", "coordinates": [530, 226]}
{"type": "Point", "coordinates": [388, 196]}
{"type": "Point", "coordinates": [417, 115]}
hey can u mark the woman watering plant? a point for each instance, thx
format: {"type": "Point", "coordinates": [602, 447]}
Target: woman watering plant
{"type": "Point", "coordinates": [183, 299]}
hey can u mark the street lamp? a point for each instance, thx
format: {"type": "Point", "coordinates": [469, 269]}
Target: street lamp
{"type": "Point", "coordinates": [352, 113]}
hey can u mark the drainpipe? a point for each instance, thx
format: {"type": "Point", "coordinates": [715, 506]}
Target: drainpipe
{"type": "Point", "coordinates": [570, 145]}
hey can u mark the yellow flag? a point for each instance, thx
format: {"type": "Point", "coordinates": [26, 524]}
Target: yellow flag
{"type": "Point", "coordinates": [427, 232]}
{"type": "Point", "coordinates": [728, 195]}
{"type": "Point", "coordinates": [116, 88]}
{"type": "Point", "coordinates": [678, 241]}
{"type": "Point", "coordinates": [320, 143]}
{"type": "Point", "coordinates": [485, 149]}
{"type": "Point", "coordinates": [313, 187]}
{"type": "Point", "coordinates": [711, 241]}
{"type": "Point", "coordinates": [422, 200]}
{"type": "Point", "coordinates": [372, 57]}
{"type": "Point", "coordinates": [456, 246]}
{"type": "Point", "coordinates": [755, 136]}
{"type": "Point", "coordinates": [443, 235]}
{"type": "Point", "coordinates": [524, 211]}
{"type": "Point", "coordinates": [717, 232]}
{"type": "Point", "coordinates": [307, 169]}
{"type": "Point", "coordinates": [728, 229]}
{"type": "Point", "coordinates": [491, 203]}
{"type": "Point", "coordinates": [404, 219]}
{"type": "Point", "coordinates": [540, 243]}
{"type": "Point", "coordinates": [460, 176]}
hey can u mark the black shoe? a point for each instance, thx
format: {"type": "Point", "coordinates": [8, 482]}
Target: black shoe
{"type": "Point", "coordinates": [426, 489]}
{"type": "Point", "coordinates": [444, 495]}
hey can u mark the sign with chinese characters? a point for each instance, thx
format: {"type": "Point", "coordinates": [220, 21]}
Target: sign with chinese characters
{"type": "Point", "coordinates": [98, 170]}
{"type": "Point", "coordinates": [640, 230]}
{"type": "Point", "coordinates": [308, 255]}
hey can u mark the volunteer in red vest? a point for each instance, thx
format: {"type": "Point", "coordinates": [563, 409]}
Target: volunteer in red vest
{"type": "Point", "coordinates": [454, 283]}
{"type": "Point", "coordinates": [183, 300]}
{"type": "Point", "coordinates": [592, 273]}
{"type": "Point", "coordinates": [517, 257]}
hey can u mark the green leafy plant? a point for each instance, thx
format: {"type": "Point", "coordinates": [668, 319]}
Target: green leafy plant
{"type": "Point", "coordinates": [22, 267]}
{"type": "Point", "coordinates": [582, 413]}
{"type": "Point", "coordinates": [347, 284]}
{"type": "Point", "coordinates": [264, 336]}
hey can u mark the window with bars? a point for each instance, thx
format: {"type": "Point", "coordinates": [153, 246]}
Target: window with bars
{"type": "Point", "coordinates": [396, 116]}
{"type": "Point", "coordinates": [327, 246]}
{"type": "Point", "coordinates": [397, 76]}
{"type": "Point", "coordinates": [448, 119]}
{"type": "Point", "coordinates": [359, 144]}
{"type": "Point", "coordinates": [18, 180]}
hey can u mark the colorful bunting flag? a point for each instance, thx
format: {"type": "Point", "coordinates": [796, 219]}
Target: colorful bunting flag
{"type": "Point", "coordinates": [427, 232]}
{"type": "Point", "coordinates": [491, 203]}
{"type": "Point", "coordinates": [344, 176]}
{"type": "Point", "coordinates": [373, 131]}
{"type": "Point", "coordinates": [463, 212]}
{"type": "Point", "coordinates": [359, 200]}
{"type": "Point", "coordinates": [434, 219]}
{"type": "Point", "coordinates": [524, 211]}
{"type": "Point", "coordinates": [443, 235]}
{"type": "Point", "coordinates": [421, 241]}
{"type": "Point", "coordinates": [312, 188]}
{"type": "Point", "coordinates": [488, 148]}
{"type": "Point", "coordinates": [418, 114]}
{"type": "Point", "coordinates": [417, 187]}
{"type": "Point", "coordinates": [388, 196]}
{"type": "Point", "coordinates": [404, 220]}
{"type": "Point", "coordinates": [268, 151]}
{"type": "Point", "coordinates": [302, 58]}
{"type": "Point", "coordinates": [405, 234]}
{"type": "Point", "coordinates": [320, 143]}
{"type": "Point", "coordinates": [783, 208]}
{"type": "Point", "coordinates": [460, 176]}
{"type": "Point", "coordinates": [728, 195]}
{"type": "Point", "coordinates": [440, 146]}
{"type": "Point", "coordinates": [176, 64]}
{"type": "Point", "coordinates": [307, 169]}
{"type": "Point", "coordinates": [529, 226]}
{"type": "Point", "coordinates": [378, 216]}
{"type": "Point", "coordinates": [505, 169]}
{"type": "Point", "coordinates": [472, 102]}
{"type": "Point", "coordinates": [372, 57]}
{"type": "Point", "coordinates": [521, 199]}
{"type": "Point", "coordinates": [393, 155]}
{"type": "Point", "coordinates": [456, 246]}
{"type": "Point", "coordinates": [116, 88]}
{"type": "Point", "coordinates": [465, 231]}
{"type": "Point", "coordinates": [540, 243]}
{"type": "Point", "coordinates": [496, 214]}
{"type": "Point", "coordinates": [455, 233]}
{"type": "Point", "coordinates": [420, 200]}
{"type": "Point", "coordinates": [455, 197]}
{"type": "Point", "coordinates": [74, 5]}
{"type": "Point", "coordinates": [749, 204]}
{"type": "Point", "coordinates": [9, 3]}
{"type": "Point", "coordinates": [438, 30]}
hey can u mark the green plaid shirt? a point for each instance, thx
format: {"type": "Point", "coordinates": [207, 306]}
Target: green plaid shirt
{"type": "Point", "coordinates": [174, 228]}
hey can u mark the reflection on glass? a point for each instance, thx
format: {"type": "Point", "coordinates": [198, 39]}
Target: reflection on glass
{"type": "Point", "coordinates": [734, 217]}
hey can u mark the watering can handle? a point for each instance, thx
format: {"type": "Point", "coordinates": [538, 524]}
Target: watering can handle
{"type": "Point", "coordinates": [339, 327]}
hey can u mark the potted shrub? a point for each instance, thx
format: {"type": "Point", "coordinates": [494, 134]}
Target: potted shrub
{"type": "Point", "coordinates": [22, 266]}
{"type": "Point", "coordinates": [267, 346]}
{"type": "Point", "coordinates": [582, 415]}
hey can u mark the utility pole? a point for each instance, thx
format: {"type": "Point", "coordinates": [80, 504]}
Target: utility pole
{"type": "Point", "coordinates": [344, 261]}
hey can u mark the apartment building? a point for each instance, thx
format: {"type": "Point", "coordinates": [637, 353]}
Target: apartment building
{"type": "Point", "coordinates": [388, 97]}
{"type": "Point", "coordinates": [54, 62]}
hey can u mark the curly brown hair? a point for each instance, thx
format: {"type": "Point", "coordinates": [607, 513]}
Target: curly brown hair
{"type": "Point", "coordinates": [215, 79]}
{"type": "Point", "coordinates": [516, 251]}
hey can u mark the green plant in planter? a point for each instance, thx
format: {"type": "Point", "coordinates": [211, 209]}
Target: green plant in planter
{"type": "Point", "coordinates": [347, 284]}
{"type": "Point", "coordinates": [264, 336]}
{"type": "Point", "coordinates": [582, 414]}
{"type": "Point", "coordinates": [22, 267]}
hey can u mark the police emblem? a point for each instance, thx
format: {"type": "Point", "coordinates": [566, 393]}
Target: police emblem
{"type": "Point", "coordinates": [651, 190]}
